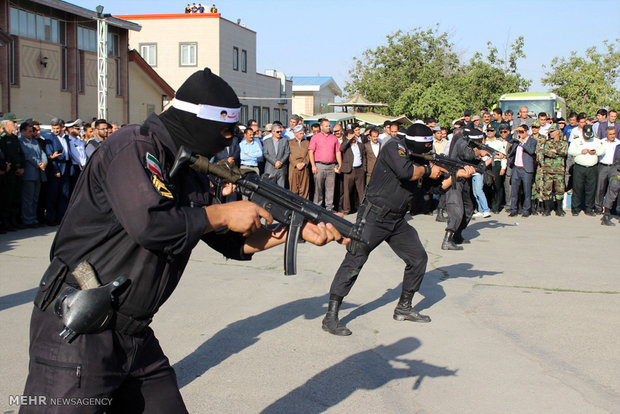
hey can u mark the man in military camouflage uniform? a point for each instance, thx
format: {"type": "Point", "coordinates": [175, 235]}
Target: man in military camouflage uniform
{"type": "Point", "coordinates": [10, 200]}
{"type": "Point", "coordinates": [537, 199]}
{"type": "Point", "coordinates": [551, 153]}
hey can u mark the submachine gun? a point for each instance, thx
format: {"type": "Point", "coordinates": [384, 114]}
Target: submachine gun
{"type": "Point", "coordinates": [477, 143]}
{"type": "Point", "coordinates": [285, 206]}
{"type": "Point", "coordinates": [450, 164]}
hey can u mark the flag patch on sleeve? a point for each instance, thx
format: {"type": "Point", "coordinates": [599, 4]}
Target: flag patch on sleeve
{"type": "Point", "coordinates": [153, 165]}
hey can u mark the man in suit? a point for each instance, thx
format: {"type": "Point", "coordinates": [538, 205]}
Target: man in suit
{"type": "Point", "coordinates": [521, 159]}
{"type": "Point", "coordinates": [276, 152]}
{"type": "Point", "coordinates": [371, 152]}
{"type": "Point", "coordinates": [58, 174]}
{"type": "Point", "coordinates": [352, 169]}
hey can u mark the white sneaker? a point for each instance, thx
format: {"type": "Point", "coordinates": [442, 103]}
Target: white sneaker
{"type": "Point", "coordinates": [478, 214]}
{"type": "Point", "coordinates": [486, 215]}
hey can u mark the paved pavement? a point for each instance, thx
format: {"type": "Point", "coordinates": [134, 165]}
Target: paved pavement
{"type": "Point", "coordinates": [525, 319]}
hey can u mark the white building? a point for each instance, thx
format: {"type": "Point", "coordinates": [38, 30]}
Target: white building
{"type": "Point", "coordinates": [311, 94]}
{"type": "Point", "coordinates": [177, 45]}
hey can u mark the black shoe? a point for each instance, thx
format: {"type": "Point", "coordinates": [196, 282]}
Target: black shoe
{"type": "Point", "coordinates": [404, 311]}
{"type": "Point", "coordinates": [331, 323]}
{"type": "Point", "coordinates": [606, 220]}
{"type": "Point", "coordinates": [590, 213]}
{"type": "Point", "coordinates": [526, 214]}
{"type": "Point", "coordinates": [576, 213]}
{"type": "Point", "coordinates": [440, 216]}
{"type": "Point", "coordinates": [512, 214]}
{"type": "Point", "coordinates": [448, 242]}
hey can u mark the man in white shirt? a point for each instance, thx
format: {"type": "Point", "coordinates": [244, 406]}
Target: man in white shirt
{"type": "Point", "coordinates": [606, 168]}
{"type": "Point", "coordinates": [586, 151]}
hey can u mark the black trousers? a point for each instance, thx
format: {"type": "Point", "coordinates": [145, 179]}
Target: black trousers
{"type": "Point", "coordinates": [400, 236]}
{"type": "Point", "coordinates": [498, 187]}
{"type": "Point", "coordinates": [584, 188]}
{"type": "Point", "coordinates": [131, 370]}
{"type": "Point", "coordinates": [460, 206]}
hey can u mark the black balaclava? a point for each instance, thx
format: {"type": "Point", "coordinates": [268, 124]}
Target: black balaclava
{"type": "Point", "coordinates": [202, 136]}
{"type": "Point", "coordinates": [419, 139]}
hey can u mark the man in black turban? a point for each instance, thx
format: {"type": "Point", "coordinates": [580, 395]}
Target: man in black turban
{"type": "Point", "coordinates": [129, 218]}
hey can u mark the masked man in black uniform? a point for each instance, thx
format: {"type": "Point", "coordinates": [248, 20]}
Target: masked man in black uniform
{"type": "Point", "coordinates": [393, 183]}
{"type": "Point", "coordinates": [459, 200]}
{"type": "Point", "coordinates": [129, 218]}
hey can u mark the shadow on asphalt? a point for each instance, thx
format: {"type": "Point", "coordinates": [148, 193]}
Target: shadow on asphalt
{"type": "Point", "coordinates": [431, 285]}
{"type": "Point", "coordinates": [241, 334]}
{"type": "Point", "coordinates": [17, 299]}
{"type": "Point", "coordinates": [8, 240]}
{"type": "Point", "coordinates": [471, 231]}
{"type": "Point", "coordinates": [367, 370]}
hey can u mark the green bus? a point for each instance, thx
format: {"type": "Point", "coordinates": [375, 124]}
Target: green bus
{"type": "Point", "coordinates": [536, 102]}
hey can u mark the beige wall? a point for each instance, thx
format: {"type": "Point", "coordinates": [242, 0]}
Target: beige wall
{"type": "Point", "coordinates": [39, 96]}
{"type": "Point", "coordinates": [168, 34]}
{"type": "Point", "coordinates": [303, 104]}
{"type": "Point", "coordinates": [143, 94]}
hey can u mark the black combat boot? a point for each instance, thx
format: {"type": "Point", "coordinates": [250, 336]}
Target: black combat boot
{"type": "Point", "coordinates": [559, 211]}
{"type": "Point", "coordinates": [548, 207]}
{"type": "Point", "coordinates": [448, 242]}
{"type": "Point", "coordinates": [534, 209]}
{"type": "Point", "coordinates": [404, 311]}
{"type": "Point", "coordinates": [331, 323]}
{"type": "Point", "coordinates": [440, 215]}
{"type": "Point", "coordinates": [606, 220]}
{"type": "Point", "coordinates": [459, 239]}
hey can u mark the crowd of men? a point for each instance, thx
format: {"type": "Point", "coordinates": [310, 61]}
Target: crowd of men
{"type": "Point", "coordinates": [536, 161]}
{"type": "Point", "coordinates": [39, 169]}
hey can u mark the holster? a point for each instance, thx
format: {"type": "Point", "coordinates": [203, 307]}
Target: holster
{"type": "Point", "coordinates": [355, 247]}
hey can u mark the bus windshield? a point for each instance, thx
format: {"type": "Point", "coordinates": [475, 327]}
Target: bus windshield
{"type": "Point", "coordinates": [533, 106]}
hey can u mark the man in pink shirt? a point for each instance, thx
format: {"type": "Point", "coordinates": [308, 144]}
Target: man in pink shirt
{"type": "Point", "coordinates": [326, 159]}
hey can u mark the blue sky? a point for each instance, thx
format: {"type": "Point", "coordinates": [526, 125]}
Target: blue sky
{"type": "Point", "coordinates": [321, 37]}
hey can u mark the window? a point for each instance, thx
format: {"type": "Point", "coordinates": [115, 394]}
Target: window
{"type": "Point", "coordinates": [113, 45]}
{"type": "Point", "coordinates": [13, 72]}
{"type": "Point", "coordinates": [235, 58]}
{"type": "Point", "coordinates": [244, 115]}
{"type": "Point", "coordinates": [244, 61]}
{"type": "Point", "coordinates": [265, 116]}
{"type": "Point", "coordinates": [80, 71]}
{"type": "Point", "coordinates": [276, 115]}
{"type": "Point", "coordinates": [87, 39]}
{"type": "Point", "coordinates": [285, 115]}
{"type": "Point", "coordinates": [65, 68]}
{"type": "Point", "coordinates": [188, 54]}
{"type": "Point", "coordinates": [35, 26]}
{"type": "Point", "coordinates": [148, 51]}
{"type": "Point", "coordinates": [256, 114]}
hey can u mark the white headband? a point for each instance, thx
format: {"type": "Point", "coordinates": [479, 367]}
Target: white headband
{"type": "Point", "coordinates": [419, 139]}
{"type": "Point", "coordinates": [209, 112]}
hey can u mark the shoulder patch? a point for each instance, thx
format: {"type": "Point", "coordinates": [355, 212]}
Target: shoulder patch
{"type": "Point", "coordinates": [402, 151]}
{"type": "Point", "coordinates": [161, 187]}
{"type": "Point", "coordinates": [152, 164]}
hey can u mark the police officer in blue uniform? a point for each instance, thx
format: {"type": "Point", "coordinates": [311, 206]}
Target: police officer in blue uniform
{"type": "Point", "coordinates": [394, 181]}
{"type": "Point", "coordinates": [128, 217]}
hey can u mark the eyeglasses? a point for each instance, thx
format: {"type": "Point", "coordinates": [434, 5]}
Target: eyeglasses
{"type": "Point", "coordinates": [520, 131]}
{"type": "Point", "coordinates": [503, 131]}
{"type": "Point", "coordinates": [277, 132]}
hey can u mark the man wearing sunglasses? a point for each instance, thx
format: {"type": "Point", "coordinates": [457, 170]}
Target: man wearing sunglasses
{"type": "Point", "coordinates": [276, 152]}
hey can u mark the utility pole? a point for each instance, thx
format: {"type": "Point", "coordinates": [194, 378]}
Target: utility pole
{"type": "Point", "coordinates": [102, 64]}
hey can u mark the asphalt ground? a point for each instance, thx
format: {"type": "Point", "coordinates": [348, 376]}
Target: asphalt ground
{"type": "Point", "coordinates": [525, 320]}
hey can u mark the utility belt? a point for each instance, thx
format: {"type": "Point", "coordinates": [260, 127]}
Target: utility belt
{"type": "Point", "coordinates": [83, 311]}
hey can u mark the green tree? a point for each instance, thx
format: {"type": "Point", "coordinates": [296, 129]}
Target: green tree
{"type": "Point", "coordinates": [419, 74]}
{"type": "Point", "coordinates": [587, 83]}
